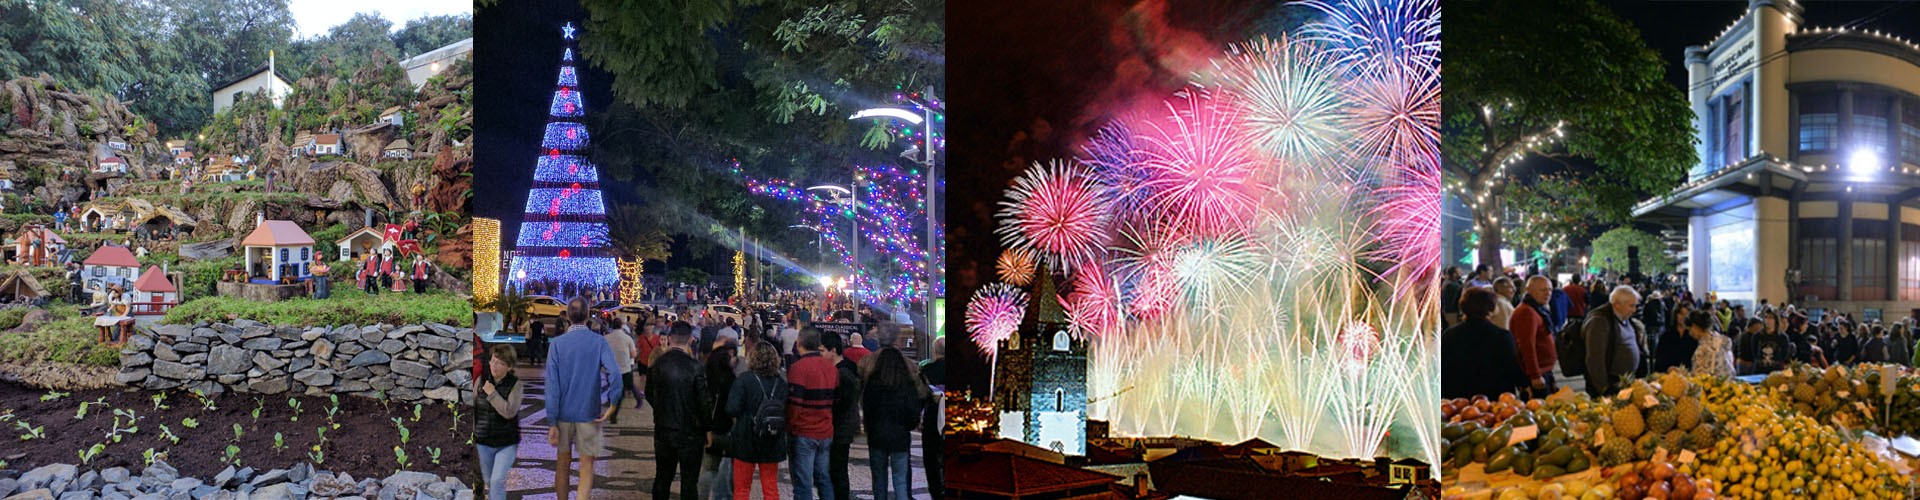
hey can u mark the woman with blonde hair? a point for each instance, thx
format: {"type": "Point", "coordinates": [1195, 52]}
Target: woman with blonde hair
{"type": "Point", "coordinates": [759, 436]}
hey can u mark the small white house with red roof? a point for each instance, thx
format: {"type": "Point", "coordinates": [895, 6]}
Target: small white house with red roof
{"type": "Point", "coordinates": [278, 248]}
{"type": "Point", "coordinates": [153, 293]}
{"type": "Point", "coordinates": [111, 164]}
{"type": "Point", "coordinates": [109, 265]}
{"type": "Point", "coordinates": [183, 158]}
{"type": "Point", "coordinates": [326, 144]}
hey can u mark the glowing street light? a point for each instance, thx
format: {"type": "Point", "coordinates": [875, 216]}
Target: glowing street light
{"type": "Point", "coordinates": [897, 113]}
{"type": "Point", "coordinates": [1863, 161]}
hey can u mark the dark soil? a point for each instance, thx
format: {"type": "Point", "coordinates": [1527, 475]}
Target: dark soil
{"type": "Point", "coordinates": [362, 445]}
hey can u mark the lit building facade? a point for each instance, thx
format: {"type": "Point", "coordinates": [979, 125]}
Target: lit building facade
{"type": "Point", "coordinates": [1808, 185]}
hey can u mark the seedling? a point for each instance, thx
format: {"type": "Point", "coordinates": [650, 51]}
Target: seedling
{"type": "Point", "coordinates": [31, 432]}
{"type": "Point", "coordinates": [237, 432]}
{"type": "Point", "coordinates": [189, 423]}
{"type": "Point", "coordinates": [334, 408]}
{"type": "Point", "coordinates": [400, 456]}
{"type": "Point", "coordinates": [435, 453]}
{"type": "Point", "coordinates": [405, 434]}
{"type": "Point", "coordinates": [52, 396]}
{"type": "Point", "coordinates": [87, 455]}
{"type": "Point", "coordinates": [167, 434]}
{"type": "Point", "coordinates": [318, 456]}
{"type": "Point", "coordinates": [149, 456]}
{"type": "Point", "coordinates": [160, 401]}
{"type": "Point", "coordinates": [258, 404]}
{"type": "Point", "coordinates": [295, 403]}
{"type": "Point", "coordinates": [278, 444]}
{"type": "Point", "coordinates": [455, 428]}
{"type": "Point", "coordinates": [232, 455]}
{"type": "Point", "coordinates": [416, 412]}
{"type": "Point", "coordinates": [206, 402]}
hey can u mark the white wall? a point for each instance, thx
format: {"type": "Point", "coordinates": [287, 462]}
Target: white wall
{"type": "Point", "coordinates": [223, 98]}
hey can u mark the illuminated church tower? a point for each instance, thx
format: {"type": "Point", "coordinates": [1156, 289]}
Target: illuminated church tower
{"type": "Point", "coordinates": [1041, 385]}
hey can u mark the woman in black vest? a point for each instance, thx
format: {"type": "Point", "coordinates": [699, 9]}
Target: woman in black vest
{"type": "Point", "coordinates": [497, 427]}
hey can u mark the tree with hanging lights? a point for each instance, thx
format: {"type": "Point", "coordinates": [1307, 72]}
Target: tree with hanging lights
{"type": "Point", "coordinates": [1523, 95]}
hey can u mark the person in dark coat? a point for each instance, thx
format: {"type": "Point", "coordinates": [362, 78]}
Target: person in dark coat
{"type": "Point", "coordinates": [677, 390]}
{"type": "Point", "coordinates": [891, 401]}
{"type": "Point", "coordinates": [1450, 296]}
{"type": "Point", "coordinates": [717, 469]}
{"type": "Point", "coordinates": [1613, 341]}
{"type": "Point", "coordinates": [1676, 346]}
{"type": "Point", "coordinates": [846, 414]}
{"type": "Point", "coordinates": [1477, 357]}
{"type": "Point", "coordinates": [753, 450]}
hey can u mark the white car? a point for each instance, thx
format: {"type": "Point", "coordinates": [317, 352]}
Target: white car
{"type": "Point", "coordinates": [720, 313]}
{"type": "Point", "coordinates": [630, 313]}
{"type": "Point", "coordinates": [542, 306]}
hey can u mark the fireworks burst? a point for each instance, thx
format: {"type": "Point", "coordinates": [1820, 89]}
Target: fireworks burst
{"type": "Point", "coordinates": [1057, 210]}
{"type": "Point", "coordinates": [1372, 35]}
{"type": "Point", "coordinates": [1407, 222]}
{"type": "Point", "coordinates": [993, 314]}
{"type": "Point", "coordinates": [1094, 304]}
{"type": "Point", "coordinates": [1203, 172]}
{"type": "Point", "coordinates": [1396, 114]}
{"type": "Point", "coordinates": [1295, 109]}
{"type": "Point", "coordinates": [1016, 266]}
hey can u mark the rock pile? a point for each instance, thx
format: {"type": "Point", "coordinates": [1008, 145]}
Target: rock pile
{"type": "Point", "coordinates": [409, 364]}
{"type": "Point", "coordinates": [163, 481]}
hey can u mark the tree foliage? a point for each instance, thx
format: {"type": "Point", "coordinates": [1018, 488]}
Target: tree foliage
{"type": "Point", "coordinates": [1517, 70]}
{"type": "Point", "coordinates": [1610, 251]}
{"type": "Point", "coordinates": [424, 34]}
{"type": "Point", "coordinates": [768, 83]}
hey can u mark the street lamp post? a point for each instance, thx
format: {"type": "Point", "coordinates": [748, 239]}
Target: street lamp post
{"type": "Point", "coordinates": [925, 159]}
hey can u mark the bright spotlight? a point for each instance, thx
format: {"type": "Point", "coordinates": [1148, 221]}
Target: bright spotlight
{"type": "Point", "coordinates": [1863, 162]}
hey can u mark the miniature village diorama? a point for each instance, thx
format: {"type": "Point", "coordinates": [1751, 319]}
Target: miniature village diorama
{"type": "Point", "coordinates": [300, 260]}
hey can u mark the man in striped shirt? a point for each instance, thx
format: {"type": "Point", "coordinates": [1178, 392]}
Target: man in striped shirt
{"type": "Point", "coordinates": [812, 381]}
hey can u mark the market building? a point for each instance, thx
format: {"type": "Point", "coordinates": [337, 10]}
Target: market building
{"type": "Point", "coordinates": [1808, 184]}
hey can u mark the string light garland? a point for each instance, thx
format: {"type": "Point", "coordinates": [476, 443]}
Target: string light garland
{"type": "Point", "coordinates": [891, 217]}
{"type": "Point", "coordinates": [486, 259]}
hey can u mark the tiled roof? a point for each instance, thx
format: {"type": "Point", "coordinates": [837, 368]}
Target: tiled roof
{"type": "Point", "coordinates": [277, 233]}
{"type": "Point", "coordinates": [109, 255]}
{"type": "Point", "coordinates": [1223, 481]}
{"type": "Point", "coordinates": [153, 281]}
{"type": "Point", "coordinates": [1003, 474]}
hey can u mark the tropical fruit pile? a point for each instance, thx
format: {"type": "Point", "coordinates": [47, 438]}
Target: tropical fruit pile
{"type": "Point", "coordinates": [1668, 414]}
{"type": "Point", "coordinates": [1659, 479]}
{"type": "Point", "coordinates": [1849, 398]}
{"type": "Point", "coordinates": [1554, 451]}
{"type": "Point", "coordinates": [1487, 413]}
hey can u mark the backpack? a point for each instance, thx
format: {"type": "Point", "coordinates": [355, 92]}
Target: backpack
{"type": "Point", "coordinates": [1572, 345]}
{"type": "Point", "coordinates": [770, 419]}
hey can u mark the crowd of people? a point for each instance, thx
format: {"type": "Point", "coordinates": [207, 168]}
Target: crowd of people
{"type": "Point", "coordinates": [730, 404]}
{"type": "Point", "coordinates": [1512, 334]}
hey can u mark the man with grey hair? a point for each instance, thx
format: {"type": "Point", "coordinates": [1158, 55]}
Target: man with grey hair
{"type": "Point", "coordinates": [1612, 341]}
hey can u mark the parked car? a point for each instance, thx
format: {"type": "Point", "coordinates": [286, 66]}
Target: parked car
{"type": "Point", "coordinates": [542, 306]}
{"type": "Point", "coordinates": [629, 314]}
{"type": "Point", "coordinates": [720, 313]}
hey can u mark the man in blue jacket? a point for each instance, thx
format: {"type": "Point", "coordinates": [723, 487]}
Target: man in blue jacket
{"type": "Point", "coordinates": [577, 400]}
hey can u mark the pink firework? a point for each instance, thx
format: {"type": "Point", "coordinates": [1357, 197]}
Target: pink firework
{"type": "Point", "coordinates": [993, 314]}
{"type": "Point", "coordinates": [1058, 210]}
{"type": "Point", "coordinates": [1202, 169]}
{"type": "Point", "coordinates": [1093, 305]}
{"type": "Point", "coordinates": [1357, 343]}
{"type": "Point", "coordinates": [1406, 219]}
{"type": "Point", "coordinates": [1016, 266]}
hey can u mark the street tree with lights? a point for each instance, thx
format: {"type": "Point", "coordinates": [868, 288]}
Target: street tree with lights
{"type": "Point", "coordinates": [1567, 83]}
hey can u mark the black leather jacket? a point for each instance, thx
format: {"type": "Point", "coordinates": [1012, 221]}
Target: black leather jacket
{"type": "Point", "coordinates": [677, 389]}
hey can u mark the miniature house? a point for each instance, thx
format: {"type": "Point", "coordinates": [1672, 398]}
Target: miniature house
{"type": "Point", "coordinates": [392, 116]}
{"type": "Point", "coordinates": [110, 217]}
{"type": "Point", "coordinates": [302, 144]}
{"type": "Point", "coordinates": [360, 243]}
{"type": "Point", "coordinates": [153, 293]}
{"type": "Point", "coordinates": [326, 144]}
{"type": "Point", "coordinates": [38, 246]}
{"type": "Point", "coordinates": [109, 265]}
{"type": "Point", "coordinates": [176, 146]}
{"type": "Point", "coordinates": [276, 249]}
{"type": "Point", "coordinates": [183, 158]}
{"type": "Point", "coordinates": [111, 164]}
{"type": "Point", "coordinates": [398, 149]}
{"type": "Point", "coordinates": [117, 145]}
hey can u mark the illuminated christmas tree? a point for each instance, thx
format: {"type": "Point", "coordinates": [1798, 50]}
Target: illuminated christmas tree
{"type": "Point", "coordinates": [563, 237]}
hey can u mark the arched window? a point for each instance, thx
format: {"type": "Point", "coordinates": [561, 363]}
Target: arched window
{"type": "Point", "coordinates": [1059, 399]}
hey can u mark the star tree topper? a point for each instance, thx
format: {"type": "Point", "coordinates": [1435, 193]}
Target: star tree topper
{"type": "Point", "coordinates": [567, 30]}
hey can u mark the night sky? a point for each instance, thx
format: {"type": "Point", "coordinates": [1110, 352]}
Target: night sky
{"type": "Point", "coordinates": [517, 51]}
{"type": "Point", "coordinates": [1669, 26]}
{"type": "Point", "coordinates": [1029, 81]}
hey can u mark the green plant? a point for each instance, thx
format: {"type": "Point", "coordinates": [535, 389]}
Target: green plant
{"type": "Point", "coordinates": [405, 434]}
{"type": "Point", "coordinates": [455, 428]}
{"type": "Point", "coordinates": [278, 443]}
{"type": "Point", "coordinates": [87, 455]}
{"type": "Point", "coordinates": [189, 423]}
{"type": "Point", "coordinates": [232, 455]}
{"type": "Point", "coordinates": [333, 406]}
{"type": "Point", "coordinates": [317, 455]}
{"type": "Point", "coordinates": [237, 432]}
{"type": "Point", "coordinates": [130, 429]}
{"type": "Point", "coordinates": [295, 403]}
{"type": "Point", "coordinates": [31, 432]}
{"type": "Point", "coordinates": [434, 453]}
{"type": "Point", "coordinates": [52, 396]}
{"type": "Point", "coordinates": [160, 400]}
{"type": "Point", "coordinates": [149, 456]}
{"type": "Point", "coordinates": [416, 412]}
{"type": "Point", "coordinates": [167, 433]}
{"type": "Point", "coordinates": [206, 402]}
{"type": "Point", "coordinates": [81, 414]}
{"type": "Point", "coordinates": [400, 455]}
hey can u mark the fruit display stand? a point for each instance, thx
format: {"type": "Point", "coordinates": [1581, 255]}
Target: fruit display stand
{"type": "Point", "coordinates": [1799, 433]}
